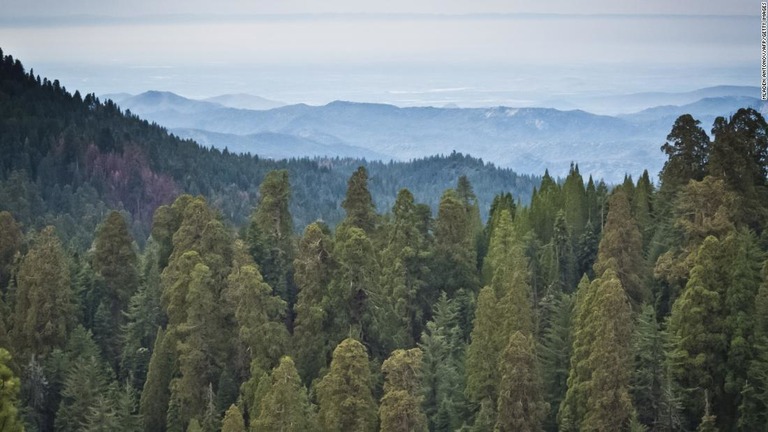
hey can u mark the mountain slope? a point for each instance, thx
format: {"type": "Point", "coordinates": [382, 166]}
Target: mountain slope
{"type": "Point", "coordinates": [67, 159]}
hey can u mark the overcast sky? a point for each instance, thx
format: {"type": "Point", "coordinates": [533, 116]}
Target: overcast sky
{"type": "Point", "coordinates": [398, 51]}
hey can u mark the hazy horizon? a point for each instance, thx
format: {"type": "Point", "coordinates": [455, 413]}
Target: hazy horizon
{"type": "Point", "coordinates": [433, 53]}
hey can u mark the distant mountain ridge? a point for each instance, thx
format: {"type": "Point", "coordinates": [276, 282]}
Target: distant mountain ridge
{"type": "Point", "coordinates": [524, 139]}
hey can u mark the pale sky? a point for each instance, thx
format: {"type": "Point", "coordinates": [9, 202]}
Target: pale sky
{"type": "Point", "coordinates": [398, 51]}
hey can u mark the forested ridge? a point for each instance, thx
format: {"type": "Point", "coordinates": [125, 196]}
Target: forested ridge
{"type": "Point", "coordinates": [636, 307]}
{"type": "Point", "coordinates": [67, 159]}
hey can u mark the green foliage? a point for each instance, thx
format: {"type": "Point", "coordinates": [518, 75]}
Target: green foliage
{"type": "Point", "coordinates": [233, 420]}
{"type": "Point", "coordinates": [115, 262]}
{"type": "Point", "coordinates": [520, 405]}
{"type": "Point", "coordinates": [153, 404]}
{"type": "Point", "coordinates": [43, 314]}
{"type": "Point", "coordinates": [443, 366]}
{"type": "Point", "coordinates": [10, 247]}
{"type": "Point", "coordinates": [314, 267]}
{"type": "Point", "coordinates": [361, 212]}
{"type": "Point", "coordinates": [697, 321]}
{"type": "Point", "coordinates": [258, 313]}
{"type": "Point", "coordinates": [355, 292]}
{"type": "Point", "coordinates": [400, 409]}
{"type": "Point", "coordinates": [555, 353]}
{"type": "Point", "coordinates": [649, 370]}
{"type": "Point", "coordinates": [608, 405]}
{"type": "Point", "coordinates": [344, 394]}
{"type": "Point", "coordinates": [739, 156]}
{"type": "Point", "coordinates": [270, 234]}
{"type": "Point", "coordinates": [621, 249]}
{"type": "Point", "coordinates": [9, 392]}
{"type": "Point", "coordinates": [85, 383]}
{"type": "Point", "coordinates": [687, 147]}
{"type": "Point", "coordinates": [455, 264]}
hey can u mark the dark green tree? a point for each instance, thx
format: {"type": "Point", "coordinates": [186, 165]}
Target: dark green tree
{"type": "Point", "coordinates": [555, 353]}
{"type": "Point", "coordinates": [739, 156]}
{"type": "Point", "coordinates": [43, 314]}
{"type": "Point", "coordinates": [520, 405]}
{"type": "Point", "coordinates": [575, 203]}
{"type": "Point", "coordinates": [10, 246]}
{"type": "Point", "coordinates": [314, 267]}
{"type": "Point", "coordinates": [270, 234]}
{"type": "Point", "coordinates": [648, 377]}
{"type": "Point", "coordinates": [355, 292]}
{"type": "Point", "coordinates": [698, 324]}
{"type": "Point", "coordinates": [443, 366]}
{"type": "Point", "coordinates": [687, 148]}
{"type": "Point", "coordinates": [403, 259]}
{"type": "Point", "coordinates": [361, 212]}
{"type": "Point", "coordinates": [153, 404]}
{"type": "Point", "coordinates": [621, 249]}
{"type": "Point", "coordinates": [115, 261]}
{"type": "Point", "coordinates": [455, 255]}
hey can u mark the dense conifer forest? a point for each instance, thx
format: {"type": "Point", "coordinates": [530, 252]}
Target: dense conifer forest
{"type": "Point", "coordinates": [151, 285]}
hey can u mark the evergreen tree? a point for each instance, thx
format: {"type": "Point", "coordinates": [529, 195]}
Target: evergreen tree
{"type": "Point", "coordinates": [115, 261]}
{"type": "Point", "coordinates": [621, 249]}
{"type": "Point", "coordinates": [86, 382]}
{"type": "Point", "coordinates": [521, 405]}
{"type": "Point", "coordinates": [354, 292]}
{"type": "Point", "coordinates": [739, 156]}
{"type": "Point", "coordinates": [401, 280]}
{"type": "Point", "coordinates": [344, 394]}
{"type": "Point", "coordinates": [545, 204]}
{"type": "Point", "coordinates": [443, 366]}
{"type": "Point", "coordinates": [361, 212]}
{"type": "Point", "coordinates": [642, 208]}
{"type": "Point", "coordinates": [558, 261]}
{"type": "Point", "coordinates": [258, 313]}
{"type": "Point", "coordinates": [483, 352]}
{"type": "Point", "coordinates": [10, 246]}
{"type": "Point", "coordinates": [198, 348]}
{"type": "Point", "coordinates": [285, 406]}
{"type": "Point", "coordinates": [314, 266]}
{"type": "Point", "coordinates": [153, 404]}
{"type": "Point", "coordinates": [573, 407]}
{"type": "Point", "coordinates": [687, 147]}
{"type": "Point", "coordinates": [9, 393]}
{"type": "Point", "coordinates": [44, 308]}
{"type": "Point", "coordinates": [608, 405]}
{"type": "Point", "coordinates": [503, 308]}
{"type": "Point", "coordinates": [698, 325]}
{"type": "Point", "coordinates": [270, 234]}
{"type": "Point", "coordinates": [648, 376]}
{"type": "Point", "coordinates": [142, 321]}
{"type": "Point", "coordinates": [400, 409]}
{"type": "Point", "coordinates": [753, 411]}
{"type": "Point", "coordinates": [554, 354]}
{"type": "Point", "coordinates": [455, 255]}
{"type": "Point", "coordinates": [575, 203]}
{"type": "Point", "coordinates": [233, 420]}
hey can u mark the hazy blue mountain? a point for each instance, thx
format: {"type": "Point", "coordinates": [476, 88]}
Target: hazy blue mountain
{"type": "Point", "coordinates": [275, 145]}
{"type": "Point", "coordinates": [631, 103]}
{"type": "Point", "coordinates": [245, 101]}
{"type": "Point", "coordinates": [524, 139]}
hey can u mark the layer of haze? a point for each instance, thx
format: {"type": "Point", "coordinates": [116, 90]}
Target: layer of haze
{"type": "Point", "coordinates": [470, 53]}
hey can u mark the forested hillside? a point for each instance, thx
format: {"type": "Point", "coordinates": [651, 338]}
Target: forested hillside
{"type": "Point", "coordinates": [68, 159]}
{"type": "Point", "coordinates": [637, 307]}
